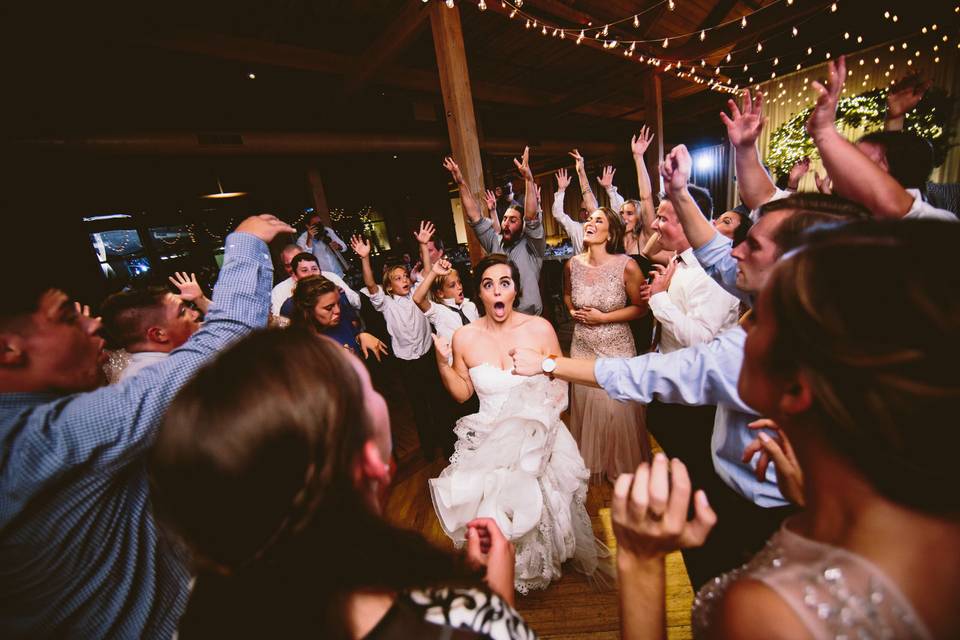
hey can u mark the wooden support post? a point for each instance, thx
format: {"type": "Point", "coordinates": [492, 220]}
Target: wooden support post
{"type": "Point", "coordinates": [319, 195]}
{"type": "Point", "coordinates": [458, 103]}
{"type": "Point", "coordinates": [653, 109]}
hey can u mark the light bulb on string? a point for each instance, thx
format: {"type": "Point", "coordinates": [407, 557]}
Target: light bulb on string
{"type": "Point", "coordinates": [606, 30]}
{"type": "Point", "coordinates": [846, 35]}
{"type": "Point", "coordinates": [934, 27]}
{"type": "Point", "coordinates": [580, 37]}
{"type": "Point", "coordinates": [482, 5]}
{"type": "Point", "coordinates": [795, 31]}
{"type": "Point", "coordinates": [544, 30]}
{"type": "Point", "coordinates": [745, 67]}
{"type": "Point", "coordinates": [809, 50]}
{"type": "Point", "coordinates": [798, 67]}
{"type": "Point", "coordinates": [729, 57]}
{"type": "Point", "coordinates": [833, 8]}
{"type": "Point", "coordinates": [828, 55]}
{"type": "Point", "coordinates": [636, 22]}
{"type": "Point", "coordinates": [671, 5]}
{"type": "Point", "coordinates": [513, 13]}
{"type": "Point", "coordinates": [859, 39]}
{"type": "Point", "coordinates": [743, 22]}
{"type": "Point", "coordinates": [776, 61]}
{"type": "Point", "coordinates": [703, 35]}
{"type": "Point", "coordinates": [519, 3]}
{"type": "Point", "coordinates": [759, 47]}
{"type": "Point", "coordinates": [666, 42]}
{"type": "Point", "coordinates": [449, 4]}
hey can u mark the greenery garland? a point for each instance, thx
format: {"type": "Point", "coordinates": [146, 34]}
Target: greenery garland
{"type": "Point", "coordinates": [931, 120]}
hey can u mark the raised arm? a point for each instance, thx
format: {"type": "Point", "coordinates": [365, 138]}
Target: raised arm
{"type": "Point", "coordinates": [606, 181]}
{"type": "Point", "coordinates": [638, 146]}
{"type": "Point", "coordinates": [902, 98]}
{"type": "Point", "coordinates": [471, 208]}
{"type": "Point", "coordinates": [423, 236]}
{"type": "Point", "coordinates": [797, 171]}
{"type": "Point", "coordinates": [573, 228]}
{"type": "Point", "coordinates": [675, 169]}
{"type": "Point", "coordinates": [589, 200]}
{"type": "Point", "coordinates": [743, 128]}
{"type": "Point", "coordinates": [190, 290]}
{"type": "Point", "coordinates": [440, 268]}
{"type": "Point", "coordinates": [361, 246]}
{"type": "Point", "coordinates": [531, 204]}
{"type": "Point", "coordinates": [854, 175]}
{"type": "Point", "coordinates": [490, 199]}
{"type": "Point", "coordinates": [456, 377]}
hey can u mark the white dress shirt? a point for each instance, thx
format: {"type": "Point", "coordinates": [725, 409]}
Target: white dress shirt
{"type": "Point", "coordinates": [320, 248]}
{"type": "Point", "coordinates": [284, 290]}
{"type": "Point", "coordinates": [923, 209]}
{"type": "Point", "coordinates": [694, 309]}
{"type": "Point", "coordinates": [573, 228]}
{"type": "Point", "coordinates": [141, 360]}
{"type": "Point", "coordinates": [410, 336]}
{"type": "Point", "coordinates": [446, 320]}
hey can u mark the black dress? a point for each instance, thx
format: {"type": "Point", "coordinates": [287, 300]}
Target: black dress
{"type": "Point", "coordinates": [642, 328]}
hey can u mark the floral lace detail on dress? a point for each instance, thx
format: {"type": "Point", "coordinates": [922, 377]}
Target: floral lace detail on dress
{"type": "Point", "coordinates": [835, 593]}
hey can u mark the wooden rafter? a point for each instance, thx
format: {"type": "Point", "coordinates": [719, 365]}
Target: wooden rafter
{"type": "Point", "coordinates": [399, 33]}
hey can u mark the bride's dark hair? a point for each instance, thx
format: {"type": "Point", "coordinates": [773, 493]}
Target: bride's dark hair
{"type": "Point", "coordinates": [492, 260]}
{"type": "Point", "coordinates": [252, 470]}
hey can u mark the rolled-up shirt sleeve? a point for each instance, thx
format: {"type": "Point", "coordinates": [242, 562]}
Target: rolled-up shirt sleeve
{"type": "Point", "coordinates": [486, 235]}
{"type": "Point", "coordinates": [716, 258]}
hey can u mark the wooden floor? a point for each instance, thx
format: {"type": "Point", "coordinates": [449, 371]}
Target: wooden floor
{"type": "Point", "coordinates": [571, 607]}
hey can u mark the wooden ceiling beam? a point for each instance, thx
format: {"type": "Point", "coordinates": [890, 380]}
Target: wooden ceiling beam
{"type": "Point", "coordinates": [401, 31]}
{"type": "Point", "coordinates": [252, 51]}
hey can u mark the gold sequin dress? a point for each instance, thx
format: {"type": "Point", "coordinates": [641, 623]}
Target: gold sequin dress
{"type": "Point", "coordinates": [612, 435]}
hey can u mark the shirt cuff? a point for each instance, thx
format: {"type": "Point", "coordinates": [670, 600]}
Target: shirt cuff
{"type": "Point", "coordinates": [658, 303]}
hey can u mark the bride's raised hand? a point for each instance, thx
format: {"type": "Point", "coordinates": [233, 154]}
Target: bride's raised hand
{"type": "Point", "coordinates": [443, 348]}
{"type": "Point", "coordinates": [526, 362]}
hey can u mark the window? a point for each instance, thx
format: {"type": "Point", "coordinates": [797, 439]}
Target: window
{"type": "Point", "coordinates": [121, 254]}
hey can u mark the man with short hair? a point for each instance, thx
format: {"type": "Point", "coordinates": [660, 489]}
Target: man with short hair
{"type": "Point", "coordinates": [284, 289]}
{"type": "Point", "coordinates": [521, 232]}
{"type": "Point", "coordinates": [81, 553]}
{"type": "Point", "coordinates": [305, 265]}
{"type": "Point", "coordinates": [323, 242]}
{"type": "Point", "coordinates": [148, 324]}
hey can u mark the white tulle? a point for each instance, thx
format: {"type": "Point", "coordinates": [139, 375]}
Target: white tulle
{"type": "Point", "coordinates": [516, 462]}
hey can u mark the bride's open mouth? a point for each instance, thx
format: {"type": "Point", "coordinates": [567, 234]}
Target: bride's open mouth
{"type": "Point", "coordinates": [499, 308]}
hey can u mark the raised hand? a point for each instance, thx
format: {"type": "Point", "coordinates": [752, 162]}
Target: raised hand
{"type": "Point", "coordinates": [824, 115]}
{"type": "Point", "coordinates": [523, 165]}
{"type": "Point", "coordinates": [650, 510]}
{"type": "Point", "coordinates": [189, 287]}
{"type": "Point", "coordinates": [425, 233]}
{"type": "Point", "coordinates": [640, 143]}
{"type": "Point", "coordinates": [905, 95]}
{"type": "Point", "coordinates": [490, 198]}
{"type": "Point", "coordinates": [797, 171]}
{"type": "Point", "coordinates": [746, 123]}
{"type": "Point", "coordinates": [264, 226]}
{"type": "Point", "coordinates": [824, 183]}
{"type": "Point", "coordinates": [441, 267]}
{"type": "Point", "coordinates": [370, 344]}
{"type": "Point", "coordinates": [578, 160]}
{"type": "Point", "coordinates": [563, 180]}
{"type": "Point", "coordinates": [454, 169]}
{"type": "Point", "coordinates": [360, 246]}
{"type": "Point", "coordinates": [487, 547]}
{"type": "Point", "coordinates": [606, 179]}
{"type": "Point", "coordinates": [443, 349]}
{"type": "Point", "coordinates": [676, 168]}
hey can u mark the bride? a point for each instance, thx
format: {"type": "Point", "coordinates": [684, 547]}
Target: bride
{"type": "Point", "coordinates": [514, 461]}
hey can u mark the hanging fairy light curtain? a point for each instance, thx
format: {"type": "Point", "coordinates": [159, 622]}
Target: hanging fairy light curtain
{"type": "Point", "coordinates": [930, 52]}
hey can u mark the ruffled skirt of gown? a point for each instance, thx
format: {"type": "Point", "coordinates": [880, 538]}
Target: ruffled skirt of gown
{"type": "Point", "coordinates": [516, 462]}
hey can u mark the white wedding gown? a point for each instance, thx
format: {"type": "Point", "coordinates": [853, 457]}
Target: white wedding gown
{"type": "Point", "coordinates": [516, 462]}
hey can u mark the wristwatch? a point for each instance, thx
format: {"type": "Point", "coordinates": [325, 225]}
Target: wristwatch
{"type": "Point", "coordinates": [549, 365]}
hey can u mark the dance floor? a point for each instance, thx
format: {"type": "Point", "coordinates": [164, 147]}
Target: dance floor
{"type": "Point", "coordinates": [571, 607]}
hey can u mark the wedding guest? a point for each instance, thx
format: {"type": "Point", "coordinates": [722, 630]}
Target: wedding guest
{"type": "Point", "coordinates": [284, 289]}
{"type": "Point", "coordinates": [877, 551]}
{"type": "Point", "coordinates": [602, 293]}
{"type": "Point", "coordinates": [271, 472]}
{"type": "Point", "coordinates": [324, 243]}
{"type": "Point", "coordinates": [320, 305]}
{"type": "Point", "coordinates": [521, 236]}
{"type": "Point", "coordinates": [148, 324]}
{"type": "Point", "coordinates": [305, 265]}
{"type": "Point", "coordinates": [733, 224]}
{"type": "Point", "coordinates": [412, 345]}
{"type": "Point", "coordinates": [751, 507]}
{"type": "Point", "coordinates": [81, 553]}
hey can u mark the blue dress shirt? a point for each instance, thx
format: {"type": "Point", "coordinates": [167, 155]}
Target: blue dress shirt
{"type": "Point", "coordinates": [716, 259]}
{"type": "Point", "coordinates": [703, 374]}
{"type": "Point", "coordinates": [80, 554]}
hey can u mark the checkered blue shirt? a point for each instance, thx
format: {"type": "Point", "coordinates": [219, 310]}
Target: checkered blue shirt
{"type": "Point", "coordinates": [80, 555]}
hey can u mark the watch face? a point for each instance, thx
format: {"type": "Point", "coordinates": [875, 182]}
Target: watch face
{"type": "Point", "coordinates": [548, 365]}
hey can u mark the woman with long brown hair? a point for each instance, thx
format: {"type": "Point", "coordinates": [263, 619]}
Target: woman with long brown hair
{"type": "Point", "coordinates": [269, 468]}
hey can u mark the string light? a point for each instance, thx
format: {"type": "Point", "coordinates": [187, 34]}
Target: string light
{"type": "Point", "coordinates": [666, 42]}
{"type": "Point", "coordinates": [636, 22]}
{"type": "Point", "coordinates": [671, 5]}
{"type": "Point", "coordinates": [606, 30]}
{"type": "Point", "coordinates": [449, 4]}
{"type": "Point", "coordinates": [759, 47]}
{"type": "Point", "coordinates": [809, 50]}
{"type": "Point", "coordinates": [833, 8]}
{"type": "Point", "coordinates": [580, 37]}
{"type": "Point", "coordinates": [703, 35]}
{"type": "Point", "coordinates": [859, 39]}
{"type": "Point", "coordinates": [776, 61]}
{"type": "Point", "coordinates": [846, 35]}
{"type": "Point", "coordinates": [743, 22]}
{"type": "Point", "coordinates": [482, 5]}
{"type": "Point", "coordinates": [795, 31]}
